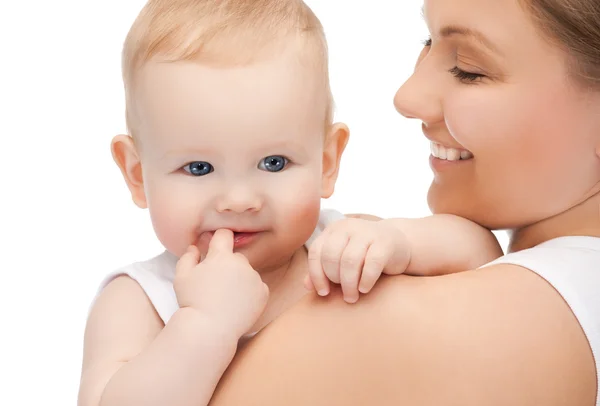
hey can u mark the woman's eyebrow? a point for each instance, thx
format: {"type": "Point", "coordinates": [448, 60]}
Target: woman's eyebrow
{"type": "Point", "coordinates": [452, 30]}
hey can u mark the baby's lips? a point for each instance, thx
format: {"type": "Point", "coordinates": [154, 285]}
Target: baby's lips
{"type": "Point", "coordinates": [205, 237]}
{"type": "Point", "coordinates": [203, 241]}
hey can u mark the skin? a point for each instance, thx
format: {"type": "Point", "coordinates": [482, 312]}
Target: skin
{"type": "Point", "coordinates": [497, 336]}
{"type": "Point", "coordinates": [231, 118]}
{"type": "Point", "coordinates": [228, 120]}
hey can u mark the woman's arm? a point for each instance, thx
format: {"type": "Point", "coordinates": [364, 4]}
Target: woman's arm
{"type": "Point", "coordinates": [497, 336]}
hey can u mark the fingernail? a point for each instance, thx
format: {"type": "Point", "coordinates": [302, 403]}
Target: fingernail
{"type": "Point", "coordinates": [323, 292]}
{"type": "Point", "coordinates": [351, 300]}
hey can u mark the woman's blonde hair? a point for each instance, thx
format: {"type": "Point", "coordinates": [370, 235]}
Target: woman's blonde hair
{"type": "Point", "coordinates": [574, 25]}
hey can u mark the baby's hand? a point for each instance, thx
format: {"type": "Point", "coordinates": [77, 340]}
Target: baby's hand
{"type": "Point", "coordinates": [354, 253]}
{"type": "Point", "coordinates": [222, 287]}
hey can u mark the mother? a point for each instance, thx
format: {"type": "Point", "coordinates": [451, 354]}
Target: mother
{"type": "Point", "coordinates": [516, 83]}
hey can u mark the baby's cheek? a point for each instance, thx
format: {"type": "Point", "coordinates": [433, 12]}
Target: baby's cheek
{"type": "Point", "coordinates": [174, 223]}
{"type": "Point", "coordinates": [303, 215]}
{"type": "Point", "coordinates": [166, 229]}
{"type": "Point", "coordinates": [306, 204]}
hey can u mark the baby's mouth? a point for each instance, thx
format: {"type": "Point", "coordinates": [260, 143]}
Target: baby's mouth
{"type": "Point", "coordinates": [241, 234]}
{"type": "Point", "coordinates": [238, 236]}
{"type": "Point", "coordinates": [243, 238]}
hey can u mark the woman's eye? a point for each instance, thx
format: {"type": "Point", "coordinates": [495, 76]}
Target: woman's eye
{"type": "Point", "coordinates": [274, 163]}
{"type": "Point", "coordinates": [198, 168]}
{"type": "Point", "coordinates": [465, 76]}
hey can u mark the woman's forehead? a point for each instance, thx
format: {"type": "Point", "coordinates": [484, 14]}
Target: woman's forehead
{"type": "Point", "coordinates": [489, 20]}
{"type": "Point", "coordinates": [501, 27]}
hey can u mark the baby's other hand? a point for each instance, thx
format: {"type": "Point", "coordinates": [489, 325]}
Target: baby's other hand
{"type": "Point", "coordinates": [354, 253]}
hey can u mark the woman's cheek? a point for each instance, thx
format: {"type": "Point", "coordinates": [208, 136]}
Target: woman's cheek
{"type": "Point", "coordinates": [484, 120]}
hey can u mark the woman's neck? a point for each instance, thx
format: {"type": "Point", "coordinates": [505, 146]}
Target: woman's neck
{"type": "Point", "coordinates": [581, 220]}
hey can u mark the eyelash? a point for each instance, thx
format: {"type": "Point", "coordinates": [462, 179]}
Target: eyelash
{"type": "Point", "coordinates": [462, 75]}
{"type": "Point", "coordinates": [286, 163]}
{"type": "Point", "coordinates": [465, 76]}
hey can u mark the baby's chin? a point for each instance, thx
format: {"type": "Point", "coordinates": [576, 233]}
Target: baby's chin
{"type": "Point", "coordinates": [264, 260]}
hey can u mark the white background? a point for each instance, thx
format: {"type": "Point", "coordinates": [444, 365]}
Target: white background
{"type": "Point", "coordinates": [66, 217]}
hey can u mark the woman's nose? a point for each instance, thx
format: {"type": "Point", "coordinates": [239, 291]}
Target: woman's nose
{"type": "Point", "coordinates": [420, 96]}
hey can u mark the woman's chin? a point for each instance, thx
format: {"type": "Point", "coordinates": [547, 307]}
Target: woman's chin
{"type": "Point", "coordinates": [443, 199]}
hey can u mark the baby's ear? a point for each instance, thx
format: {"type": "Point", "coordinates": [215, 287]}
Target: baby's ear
{"type": "Point", "coordinates": [126, 156]}
{"type": "Point", "coordinates": [335, 143]}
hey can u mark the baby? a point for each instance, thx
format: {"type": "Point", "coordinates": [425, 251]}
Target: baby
{"type": "Point", "coordinates": [231, 149]}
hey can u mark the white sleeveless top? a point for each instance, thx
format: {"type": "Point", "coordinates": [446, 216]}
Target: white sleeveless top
{"type": "Point", "coordinates": [156, 275]}
{"type": "Point", "coordinates": [572, 266]}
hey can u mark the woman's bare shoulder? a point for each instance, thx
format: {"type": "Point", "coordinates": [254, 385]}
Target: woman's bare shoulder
{"type": "Point", "coordinates": [497, 336]}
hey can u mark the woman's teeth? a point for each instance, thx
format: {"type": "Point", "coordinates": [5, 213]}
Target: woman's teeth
{"type": "Point", "coordinates": [449, 154]}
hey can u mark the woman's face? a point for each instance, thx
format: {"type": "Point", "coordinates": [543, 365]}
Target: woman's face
{"type": "Point", "coordinates": [490, 86]}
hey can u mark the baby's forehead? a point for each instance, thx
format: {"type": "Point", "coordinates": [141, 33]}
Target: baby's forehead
{"type": "Point", "coordinates": [267, 97]}
{"type": "Point", "coordinates": [231, 141]}
{"type": "Point", "coordinates": [277, 74]}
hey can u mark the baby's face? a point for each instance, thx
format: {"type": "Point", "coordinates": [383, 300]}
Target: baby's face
{"type": "Point", "coordinates": [239, 148]}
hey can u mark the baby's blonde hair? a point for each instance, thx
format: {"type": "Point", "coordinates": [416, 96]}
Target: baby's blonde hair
{"type": "Point", "coordinates": [223, 33]}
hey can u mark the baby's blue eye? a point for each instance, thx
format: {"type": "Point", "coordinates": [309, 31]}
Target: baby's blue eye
{"type": "Point", "coordinates": [198, 168]}
{"type": "Point", "coordinates": [274, 163]}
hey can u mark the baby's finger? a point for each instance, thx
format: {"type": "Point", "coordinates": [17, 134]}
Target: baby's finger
{"type": "Point", "coordinates": [351, 265]}
{"type": "Point", "coordinates": [375, 261]}
{"type": "Point", "coordinates": [221, 242]}
{"type": "Point", "coordinates": [202, 244]}
{"type": "Point", "coordinates": [315, 270]}
{"type": "Point", "coordinates": [188, 260]}
{"type": "Point", "coordinates": [331, 254]}
{"type": "Point", "coordinates": [308, 285]}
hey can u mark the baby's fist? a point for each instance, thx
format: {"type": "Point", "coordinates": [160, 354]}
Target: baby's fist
{"type": "Point", "coordinates": [354, 253]}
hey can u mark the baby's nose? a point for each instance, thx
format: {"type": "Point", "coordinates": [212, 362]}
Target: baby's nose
{"type": "Point", "coordinates": [239, 200]}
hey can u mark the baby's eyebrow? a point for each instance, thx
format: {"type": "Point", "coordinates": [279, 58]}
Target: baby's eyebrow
{"type": "Point", "coordinates": [285, 144]}
{"type": "Point", "coordinates": [185, 151]}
